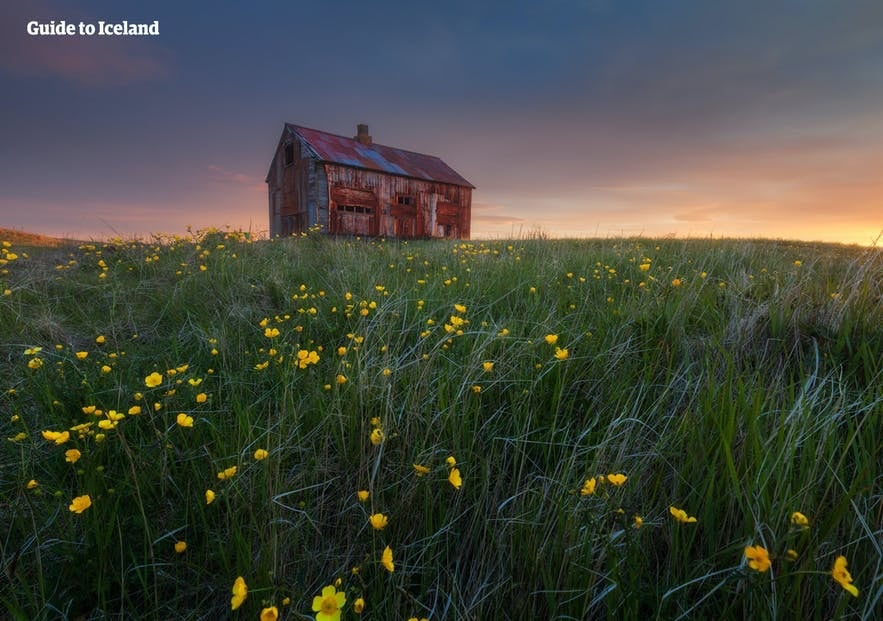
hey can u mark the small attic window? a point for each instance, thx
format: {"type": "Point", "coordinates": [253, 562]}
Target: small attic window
{"type": "Point", "coordinates": [289, 154]}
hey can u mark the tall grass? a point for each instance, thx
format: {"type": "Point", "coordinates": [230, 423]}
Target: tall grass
{"type": "Point", "coordinates": [739, 381]}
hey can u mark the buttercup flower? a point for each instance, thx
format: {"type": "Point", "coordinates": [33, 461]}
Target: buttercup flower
{"type": "Point", "coordinates": [681, 516]}
{"type": "Point", "coordinates": [359, 606]}
{"type": "Point", "coordinates": [798, 519]}
{"type": "Point", "coordinates": [451, 461]}
{"type": "Point", "coordinates": [80, 504]}
{"type": "Point", "coordinates": [616, 479]}
{"type": "Point", "coordinates": [454, 478]}
{"type": "Point", "coordinates": [639, 521]}
{"type": "Point", "coordinates": [589, 487]}
{"type": "Point", "coordinates": [59, 437]}
{"type": "Point", "coordinates": [209, 496]}
{"type": "Point", "coordinates": [270, 614]}
{"type": "Point", "coordinates": [72, 455]}
{"type": "Point", "coordinates": [377, 436]}
{"type": "Point", "coordinates": [551, 339]}
{"type": "Point", "coordinates": [758, 558]}
{"type": "Point", "coordinates": [561, 353]}
{"type": "Point", "coordinates": [240, 592]}
{"type": "Point", "coordinates": [228, 473]}
{"type": "Point", "coordinates": [420, 470]}
{"type": "Point", "coordinates": [180, 547]}
{"type": "Point", "coordinates": [362, 495]}
{"type": "Point", "coordinates": [487, 366]}
{"type": "Point", "coordinates": [153, 380]}
{"type": "Point", "coordinates": [842, 576]}
{"type": "Point", "coordinates": [184, 420]}
{"type": "Point", "coordinates": [386, 559]}
{"type": "Point", "coordinates": [328, 604]}
{"type": "Point", "coordinates": [378, 521]}
{"type": "Point", "coordinates": [32, 484]}
{"type": "Point", "coordinates": [260, 454]}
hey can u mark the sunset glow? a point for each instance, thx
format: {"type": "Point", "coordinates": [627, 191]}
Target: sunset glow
{"type": "Point", "coordinates": [572, 119]}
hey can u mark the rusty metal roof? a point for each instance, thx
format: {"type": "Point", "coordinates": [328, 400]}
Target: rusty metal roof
{"type": "Point", "coordinates": [350, 152]}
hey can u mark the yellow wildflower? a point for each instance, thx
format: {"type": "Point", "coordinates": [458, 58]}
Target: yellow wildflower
{"type": "Point", "coordinates": [798, 519]}
{"type": "Point", "coordinates": [681, 516]}
{"type": "Point", "coordinates": [180, 547]}
{"type": "Point", "coordinates": [386, 560]}
{"type": "Point", "coordinates": [80, 504]}
{"type": "Point", "coordinates": [551, 339]}
{"type": "Point", "coordinates": [589, 487]}
{"type": "Point", "coordinates": [487, 366]}
{"type": "Point", "coordinates": [201, 397]}
{"type": "Point", "coordinates": [153, 380]}
{"type": "Point", "coordinates": [271, 333]}
{"type": "Point", "coordinates": [72, 455]}
{"type": "Point", "coordinates": [328, 604]}
{"type": "Point", "coordinates": [240, 592]}
{"type": "Point", "coordinates": [758, 558]}
{"type": "Point", "coordinates": [228, 473]}
{"type": "Point", "coordinates": [420, 470]}
{"type": "Point", "coordinates": [561, 353]}
{"type": "Point", "coordinates": [340, 378]}
{"type": "Point", "coordinates": [451, 461]}
{"type": "Point", "coordinates": [362, 495]}
{"type": "Point", "coordinates": [639, 521]}
{"type": "Point", "coordinates": [59, 437]}
{"type": "Point", "coordinates": [209, 496]}
{"type": "Point", "coordinates": [455, 479]}
{"type": "Point", "coordinates": [270, 614]}
{"type": "Point", "coordinates": [842, 576]}
{"type": "Point", "coordinates": [260, 454]}
{"type": "Point", "coordinates": [184, 420]}
{"type": "Point", "coordinates": [32, 484]}
{"type": "Point", "coordinates": [616, 479]}
{"type": "Point", "coordinates": [81, 355]}
{"type": "Point", "coordinates": [377, 436]}
{"type": "Point", "coordinates": [359, 606]}
{"type": "Point", "coordinates": [378, 521]}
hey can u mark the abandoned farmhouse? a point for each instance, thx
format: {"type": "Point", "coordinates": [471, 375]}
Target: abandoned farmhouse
{"type": "Point", "coordinates": [352, 186]}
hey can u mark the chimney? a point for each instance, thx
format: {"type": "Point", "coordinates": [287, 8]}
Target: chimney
{"type": "Point", "coordinates": [362, 134]}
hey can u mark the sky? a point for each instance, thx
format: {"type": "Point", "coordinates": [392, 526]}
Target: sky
{"type": "Point", "coordinates": [573, 118]}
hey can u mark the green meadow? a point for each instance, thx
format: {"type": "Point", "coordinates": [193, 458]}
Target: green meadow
{"type": "Point", "coordinates": [213, 427]}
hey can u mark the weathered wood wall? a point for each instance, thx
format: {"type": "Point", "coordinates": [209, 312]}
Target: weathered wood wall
{"type": "Point", "coordinates": [345, 200]}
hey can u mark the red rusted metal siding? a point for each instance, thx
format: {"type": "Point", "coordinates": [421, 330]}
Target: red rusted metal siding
{"type": "Point", "coordinates": [350, 152]}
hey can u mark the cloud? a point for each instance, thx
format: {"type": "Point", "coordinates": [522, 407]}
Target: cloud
{"type": "Point", "coordinates": [219, 174]}
{"type": "Point", "coordinates": [90, 61]}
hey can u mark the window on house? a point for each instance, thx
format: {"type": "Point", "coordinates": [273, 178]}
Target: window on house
{"type": "Point", "coordinates": [355, 209]}
{"type": "Point", "coordinates": [404, 199]}
{"type": "Point", "coordinates": [289, 154]}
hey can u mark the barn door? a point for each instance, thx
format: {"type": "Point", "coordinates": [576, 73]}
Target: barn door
{"type": "Point", "coordinates": [447, 219]}
{"type": "Point", "coordinates": [353, 212]}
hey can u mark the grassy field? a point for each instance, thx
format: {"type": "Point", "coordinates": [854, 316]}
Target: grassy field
{"type": "Point", "coordinates": [530, 429]}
